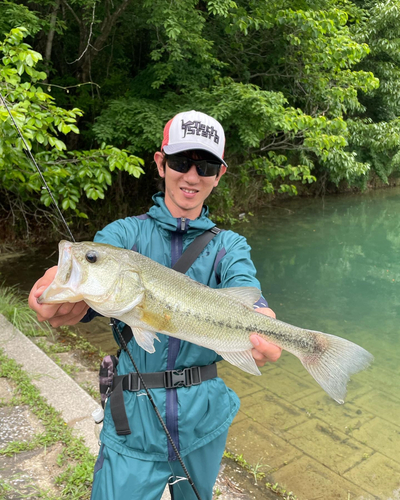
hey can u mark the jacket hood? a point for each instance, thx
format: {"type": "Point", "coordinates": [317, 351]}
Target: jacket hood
{"type": "Point", "coordinates": [162, 215]}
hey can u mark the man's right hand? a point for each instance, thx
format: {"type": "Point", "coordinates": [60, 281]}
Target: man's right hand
{"type": "Point", "coordinates": [55, 314]}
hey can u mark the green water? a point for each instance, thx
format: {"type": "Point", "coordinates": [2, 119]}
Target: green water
{"type": "Point", "coordinates": [331, 265]}
{"type": "Point", "coordinates": [334, 265]}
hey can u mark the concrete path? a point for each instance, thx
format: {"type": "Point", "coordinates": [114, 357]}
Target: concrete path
{"type": "Point", "coordinates": [58, 388]}
{"type": "Point", "coordinates": [60, 391]}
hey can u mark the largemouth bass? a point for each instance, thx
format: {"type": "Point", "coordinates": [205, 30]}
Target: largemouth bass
{"type": "Point", "coordinates": [152, 298]}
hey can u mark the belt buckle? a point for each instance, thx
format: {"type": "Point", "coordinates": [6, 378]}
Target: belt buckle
{"type": "Point", "coordinates": [174, 379]}
{"type": "Point", "coordinates": [198, 375]}
{"type": "Point", "coordinates": [181, 378]}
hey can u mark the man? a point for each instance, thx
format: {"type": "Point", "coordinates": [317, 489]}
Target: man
{"type": "Point", "coordinates": [138, 465]}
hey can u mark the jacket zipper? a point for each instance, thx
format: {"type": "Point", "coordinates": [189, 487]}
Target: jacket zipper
{"type": "Point", "coordinates": [183, 223]}
{"type": "Point", "coordinates": [171, 403]}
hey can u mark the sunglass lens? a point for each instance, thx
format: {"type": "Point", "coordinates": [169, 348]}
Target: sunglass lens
{"type": "Point", "coordinates": [178, 163]}
{"type": "Point", "coordinates": [183, 164]}
{"type": "Point", "coordinates": [207, 168]}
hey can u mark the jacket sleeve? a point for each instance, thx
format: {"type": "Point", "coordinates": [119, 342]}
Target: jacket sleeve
{"type": "Point", "coordinates": [122, 233]}
{"type": "Point", "coordinates": [235, 268]}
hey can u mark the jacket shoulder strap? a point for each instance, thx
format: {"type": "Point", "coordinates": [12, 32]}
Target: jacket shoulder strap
{"type": "Point", "coordinates": [195, 249]}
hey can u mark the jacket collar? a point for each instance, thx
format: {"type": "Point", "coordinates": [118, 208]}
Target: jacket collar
{"type": "Point", "coordinates": [162, 215]}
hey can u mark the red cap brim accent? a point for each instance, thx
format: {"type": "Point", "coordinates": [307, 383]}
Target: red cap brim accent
{"type": "Point", "coordinates": [166, 134]}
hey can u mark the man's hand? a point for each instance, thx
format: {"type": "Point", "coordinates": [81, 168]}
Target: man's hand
{"type": "Point", "coordinates": [264, 351]}
{"type": "Point", "coordinates": [55, 314]}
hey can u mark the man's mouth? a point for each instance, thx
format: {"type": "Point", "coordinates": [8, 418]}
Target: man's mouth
{"type": "Point", "coordinates": [189, 191]}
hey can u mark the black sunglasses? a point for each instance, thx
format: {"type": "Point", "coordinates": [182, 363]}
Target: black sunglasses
{"type": "Point", "coordinates": [205, 168]}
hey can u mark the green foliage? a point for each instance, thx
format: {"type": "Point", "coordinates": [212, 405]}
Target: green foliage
{"type": "Point", "coordinates": [379, 142]}
{"type": "Point", "coordinates": [13, 15]}
{"type": "Point", "coordinates": [278, 136]}
{"type": "Point", "coordinates": [70, 175]}
{"type": "Point", "coordinates": [374, 135]}
{"type": "Point", "coordinates": [273, 140]}
{"type": "Point", "coordinates": [381, 30]}
{"type": "Point", "coordinates": [300, 88]}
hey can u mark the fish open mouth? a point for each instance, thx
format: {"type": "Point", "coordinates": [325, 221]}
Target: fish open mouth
{"type": "Point", "coordinates": [66, 281]}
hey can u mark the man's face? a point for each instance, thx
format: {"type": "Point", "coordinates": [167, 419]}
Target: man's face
{"type": "Point", "coordinates": [185, 193]}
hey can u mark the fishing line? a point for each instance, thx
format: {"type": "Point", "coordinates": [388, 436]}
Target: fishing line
{"type": "Point", "coordinates": [113, 321]}
{"type": "Point", "coordinates": [28, 153]}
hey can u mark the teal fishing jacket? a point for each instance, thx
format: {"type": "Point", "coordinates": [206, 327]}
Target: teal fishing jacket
{"type": "Point", "coordinates": [194, 415]}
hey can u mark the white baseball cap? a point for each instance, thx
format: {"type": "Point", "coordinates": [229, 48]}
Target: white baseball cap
{"type": "Point", "coordinates": [194, 130]}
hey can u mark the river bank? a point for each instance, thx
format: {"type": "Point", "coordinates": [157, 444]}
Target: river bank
{"type": "Point", "coordinates": [19, 234]}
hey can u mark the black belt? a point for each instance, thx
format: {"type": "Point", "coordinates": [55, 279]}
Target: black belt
{"type": "Point", "coordinates": [170, 379]}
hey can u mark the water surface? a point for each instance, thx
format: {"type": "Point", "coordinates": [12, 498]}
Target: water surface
{"type": "Point", "coordinates": [331, 265]}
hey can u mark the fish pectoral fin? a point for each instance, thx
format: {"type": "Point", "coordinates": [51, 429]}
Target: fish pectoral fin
{"type": "Point", "coordinates": [145, 338]}
{"type": "Point", "coordinates": [115, 309]}
{"type": "Point", "coordinates": [248, 295]}
{"type": "Point", "coordinates": [242, 359]}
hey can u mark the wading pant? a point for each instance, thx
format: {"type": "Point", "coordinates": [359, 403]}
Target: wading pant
{"type": "Point", "coordinates": [118, 477]}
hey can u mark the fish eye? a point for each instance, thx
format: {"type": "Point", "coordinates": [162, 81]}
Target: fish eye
{"type": "Point", "coordinates": [91, 256]}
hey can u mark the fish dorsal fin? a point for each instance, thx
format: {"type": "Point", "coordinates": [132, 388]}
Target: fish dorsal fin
{"type": "Point", "coordinates": [242, 359]}
{"type": "Point", "coordinates": [249, 295]}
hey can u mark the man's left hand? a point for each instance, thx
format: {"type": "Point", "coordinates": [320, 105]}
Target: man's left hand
{"type": "Point", "coordinates": [264, 351]}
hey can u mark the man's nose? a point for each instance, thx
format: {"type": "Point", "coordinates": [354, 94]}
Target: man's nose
{"type": "Point", "coordinates": [192, 172]}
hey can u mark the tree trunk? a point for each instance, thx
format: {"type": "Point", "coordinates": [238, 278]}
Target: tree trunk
{"type": "Point", "coordinates": [50, 36]}
{"type": "Point", "coordinates": [93, 47]}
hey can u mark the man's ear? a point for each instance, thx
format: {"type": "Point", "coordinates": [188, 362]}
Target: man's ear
{"type": "Point", "coordinates": [221, 173]}
{"type": "Point", "coordinates": [159, 159]}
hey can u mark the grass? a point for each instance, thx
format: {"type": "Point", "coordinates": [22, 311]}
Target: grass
{"type": "Point", "coordinates": [258, 475]}
{"type": "Point", "coordinates": [94, 393]}
{"type": "Point", "coordinates": [14, 306]}
{"type": "Point", "coordinates": [240, 460]}
{"type": "Point", "coordinates": [75, 461]}
{"type": "Point", "coordinates": [30, 490]}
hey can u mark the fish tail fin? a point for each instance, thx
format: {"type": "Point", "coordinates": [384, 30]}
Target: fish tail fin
{"type": "Point", "coordinates": [333, 364]}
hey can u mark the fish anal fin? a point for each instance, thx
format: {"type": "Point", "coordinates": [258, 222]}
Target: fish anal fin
{"type": "Point", "coordinates": [145, 338]}
{"type": "Point", "coordinates": [243, 360]}
{"type": "Point", "coordinates": [248, 295]}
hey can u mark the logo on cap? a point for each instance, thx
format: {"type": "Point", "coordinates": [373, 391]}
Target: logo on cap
{"type": "Point", "coordinates": [198, 128]}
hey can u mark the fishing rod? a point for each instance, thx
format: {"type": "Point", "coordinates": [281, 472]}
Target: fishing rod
{"type": "Point", "coordinates": [29, 154]}
{"type": "Point", "coordinates": [114, 323]}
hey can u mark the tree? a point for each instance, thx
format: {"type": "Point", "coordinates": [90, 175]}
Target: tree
{"type": "Point", "coordinates": [375, 133]}
{"type": "Point", "coordinates": [280, 79]}
{"type": "Point", "coordinates": [293, 82]}
{"type": "Point", "coordinates": [71, 175]}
